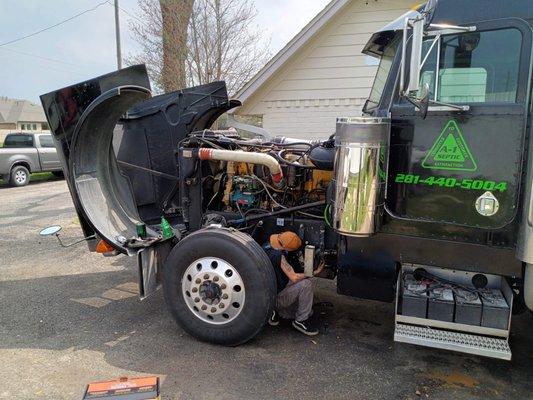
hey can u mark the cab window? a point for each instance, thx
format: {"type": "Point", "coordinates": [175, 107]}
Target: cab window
{"type": "Point", "coordinates": [382, 74]}
{"type": "Point", "coordinates": [18, 141]}
{"type": "Point", "coordinates": [46, 141]}
{"type": "Point", "coordinates": [477, 67]}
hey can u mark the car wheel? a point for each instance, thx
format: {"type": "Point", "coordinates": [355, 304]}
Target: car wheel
{"type": "Point", "coordinates": [19, 176]}
{"type": "Point", "coordinates": [220, 286]}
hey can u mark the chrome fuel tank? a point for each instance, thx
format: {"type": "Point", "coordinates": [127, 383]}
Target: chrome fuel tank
{"type": "Point", "coordinates": [361, 153]}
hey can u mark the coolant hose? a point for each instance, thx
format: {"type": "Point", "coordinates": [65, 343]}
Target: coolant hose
{"type": "Point", "coordinates": [246, 157]}
{"type": "Point", "coordinates": [528, 286]}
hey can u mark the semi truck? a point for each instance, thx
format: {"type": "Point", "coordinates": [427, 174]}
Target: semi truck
{"type": "Point", "coordinates": [424, 201]}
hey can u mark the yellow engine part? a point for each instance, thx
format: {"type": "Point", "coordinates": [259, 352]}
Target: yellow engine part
{"type": "Point", "coordinates": [319, 180]}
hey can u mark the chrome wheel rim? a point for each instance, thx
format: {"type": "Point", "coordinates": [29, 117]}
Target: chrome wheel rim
{"type": "Point", "coordinates": [20, 176]}
{"type": "Point", "coordinates": [213, 290]}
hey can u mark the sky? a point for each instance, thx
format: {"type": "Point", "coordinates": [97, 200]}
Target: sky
{"type": "Point", "coordinates": [85, 47]}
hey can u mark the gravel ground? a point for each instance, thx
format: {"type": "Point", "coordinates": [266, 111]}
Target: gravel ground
{"type": "Point", "coordinates": [68, 317]}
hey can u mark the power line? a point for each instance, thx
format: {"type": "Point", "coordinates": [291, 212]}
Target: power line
{"type": "Point", "coordinates": [131, 15]}
{"type": "Point", "coordinates": [40, 57]}
{"type": "Point", "coordinates": [55, 25]}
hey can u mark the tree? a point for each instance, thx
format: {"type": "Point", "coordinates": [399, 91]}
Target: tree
{"type": "Point", "coordinates": [162, 33]}
{"type": "Point", "coordinates": [175, 16]}
{"type": "Point", "coordinates": [222, 43]}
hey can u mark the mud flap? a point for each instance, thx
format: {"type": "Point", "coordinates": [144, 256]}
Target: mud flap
{"type": "Point", "coordinates": [150, 261]}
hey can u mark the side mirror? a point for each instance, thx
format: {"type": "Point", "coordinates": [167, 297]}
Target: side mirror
{"type": "Point", "coordinates": [50, 230]}
{"type": "Point", "coordinates": [416, 53]}
{"type": "Point", "coordinates": [54, 231]}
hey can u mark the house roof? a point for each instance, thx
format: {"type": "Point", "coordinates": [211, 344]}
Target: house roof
{"type": "Point", "coordinates": [13, 111]}
{"type": "Point", "coordinates": [291, 48]}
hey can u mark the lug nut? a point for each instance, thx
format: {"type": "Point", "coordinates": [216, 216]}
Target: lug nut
{"type": "Point", "coordinates": [194, 290]}
{"type": "Point", "coordinates": [216, 279]}
{"type": "Point", "coordinates": [206, 276]}
{"type": "Point", "coordinates": [221, 305]}
{"type": "Point", "coordinates": [225, 296]}
{"type": "Point", "coordinates": [204, 307]}
{"type": "Point", "coordinates": [198, 281]}
{"type": "Point", "coordinates": [197, 300]}
{"type": "Point", "coordinates": [223, 286]}
{"type": "Point", "coordinates": [213, 309]}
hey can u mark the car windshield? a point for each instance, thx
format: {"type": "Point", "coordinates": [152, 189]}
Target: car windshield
{"type": "Point", "coordinates": [18, 141]}
{"type": "Point", "coordinates": [382, 74]}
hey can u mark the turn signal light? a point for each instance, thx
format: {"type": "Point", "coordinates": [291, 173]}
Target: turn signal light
{"type": "Point", "coordinates": [103, 247]}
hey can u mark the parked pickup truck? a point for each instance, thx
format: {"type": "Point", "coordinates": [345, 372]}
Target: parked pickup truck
{"type": "Point", "coordinates": [26, 153]}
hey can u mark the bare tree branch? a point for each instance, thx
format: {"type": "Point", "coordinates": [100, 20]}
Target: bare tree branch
{"type": "Point", "coordinates": [222, 42]}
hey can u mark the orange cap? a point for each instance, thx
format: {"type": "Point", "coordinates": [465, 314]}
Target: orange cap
{"type": "Point", "coordinates": [288, 241]}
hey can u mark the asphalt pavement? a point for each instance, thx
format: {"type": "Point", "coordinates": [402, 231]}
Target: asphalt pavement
{"type": "Point", "coordinates": [69, 317]}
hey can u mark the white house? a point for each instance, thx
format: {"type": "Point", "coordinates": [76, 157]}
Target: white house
{"type": "Point", "coordinates": [20, 116]}
{"type": "Point", "coordinates": [321, 73]}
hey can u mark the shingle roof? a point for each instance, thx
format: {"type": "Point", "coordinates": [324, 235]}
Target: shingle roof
{"type": "Point", "coordinates": [13, 111]}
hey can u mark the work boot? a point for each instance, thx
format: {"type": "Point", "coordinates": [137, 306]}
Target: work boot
{"type": "Point", "coordinates": [306, 327]}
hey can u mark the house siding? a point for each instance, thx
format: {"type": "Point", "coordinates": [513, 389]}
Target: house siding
{"type": "Point", "coordinates": [328, 77]}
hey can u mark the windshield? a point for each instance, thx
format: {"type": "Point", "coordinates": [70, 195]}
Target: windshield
{"type": "Point", "coordinates": [382, 74]}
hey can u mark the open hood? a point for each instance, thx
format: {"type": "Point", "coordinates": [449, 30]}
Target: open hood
{"type": "Point", "coordinates": [118, 147]}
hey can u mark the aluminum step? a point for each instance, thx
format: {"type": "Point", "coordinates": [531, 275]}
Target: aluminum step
{"type": "Point", "coordinates": [448, 340]}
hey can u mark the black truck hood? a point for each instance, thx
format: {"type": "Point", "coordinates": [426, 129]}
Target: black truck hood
{"type": "Point", "coordinates": [117, 147]}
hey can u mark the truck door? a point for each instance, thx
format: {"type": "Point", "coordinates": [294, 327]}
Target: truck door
{"type": "Point", "coordinates": [47, 153]}
{"type": "Point", "coordinates": [464, 167]}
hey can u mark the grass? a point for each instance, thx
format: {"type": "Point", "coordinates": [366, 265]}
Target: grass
{"type": "Point", "coordinates": [41, 176]}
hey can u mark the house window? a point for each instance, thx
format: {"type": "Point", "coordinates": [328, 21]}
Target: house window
{"type": "Point", "coordinates": [34, 127]}
{"type": "Point", "coordinates": [45, 126]}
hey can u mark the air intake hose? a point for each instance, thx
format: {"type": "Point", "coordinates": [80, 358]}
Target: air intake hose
{"type": "Point", "coordinates": [246, 157]}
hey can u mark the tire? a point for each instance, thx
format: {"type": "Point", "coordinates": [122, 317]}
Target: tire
{"type": "Point", "coordinates": [19, 176]}
{"type": "Point", "coordinates": [219, 286]}
{"type": "Point", "coordinates": [58, 174]}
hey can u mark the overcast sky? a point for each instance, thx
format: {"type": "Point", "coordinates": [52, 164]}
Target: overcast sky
{"type": "Point", "coordinates": [85, 47]}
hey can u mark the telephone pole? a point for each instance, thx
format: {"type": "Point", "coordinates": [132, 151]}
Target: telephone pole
{"type": "Point", "coordinates": [117, 35]}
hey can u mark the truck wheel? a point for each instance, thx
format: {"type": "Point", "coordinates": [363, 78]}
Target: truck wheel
{"type": "Point", "coordinates": [19, 176]}
{"type": "Point", "coordinates": [220, 286]}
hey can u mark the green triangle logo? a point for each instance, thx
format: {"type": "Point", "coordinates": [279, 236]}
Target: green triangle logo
{"type": "Point", "coordinates": [450, 151]}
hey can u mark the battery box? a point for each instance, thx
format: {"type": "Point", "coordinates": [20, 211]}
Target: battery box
{"type": "Point", "coordinates": [124, 389]}
{"type": "Point", "coordinates": [441, 305]}
{"type": "Point", "coordinates": [446, 309]}
{"type": "Point", "coordinates": [467, 307]}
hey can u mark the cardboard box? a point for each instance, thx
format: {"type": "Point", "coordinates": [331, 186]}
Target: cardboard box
{"type": "Point", "coordinates": [124, 389]}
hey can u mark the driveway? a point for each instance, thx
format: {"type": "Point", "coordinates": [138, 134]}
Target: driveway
{"type": "Point", "coordinates": [68, 317]}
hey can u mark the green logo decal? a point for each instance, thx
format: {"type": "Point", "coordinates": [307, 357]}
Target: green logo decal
{"type": "Point", "coordinates": [450, 151]}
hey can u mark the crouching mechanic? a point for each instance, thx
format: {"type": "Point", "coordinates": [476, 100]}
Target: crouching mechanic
{"type": "Point", "coordinates": [295, 290]}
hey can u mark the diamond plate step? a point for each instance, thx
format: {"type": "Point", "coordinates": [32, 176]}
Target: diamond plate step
{"type": "Point", "coordinates": [461, 342]}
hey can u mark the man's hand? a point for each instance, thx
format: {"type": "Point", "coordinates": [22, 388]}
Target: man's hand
{"type": "Point", "coordinates": [298, 277]}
